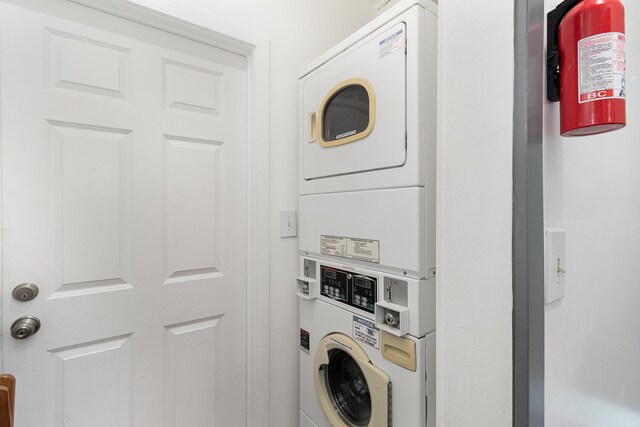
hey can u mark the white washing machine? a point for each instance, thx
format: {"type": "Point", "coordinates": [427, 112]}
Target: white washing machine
{"type": "Point", "coordinates": [368, 145]}
{"type": "Point", "coordinates": [353, 370]}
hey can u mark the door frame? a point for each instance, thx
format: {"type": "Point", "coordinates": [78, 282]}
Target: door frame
{"type": "Point", "coordinates": [528, 216]}
{"type": "Point", "coordinates": [183, 21]}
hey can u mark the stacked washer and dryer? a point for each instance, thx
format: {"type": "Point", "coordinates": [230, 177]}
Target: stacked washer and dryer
{"type": "Point", "coordinates": [367, 225]}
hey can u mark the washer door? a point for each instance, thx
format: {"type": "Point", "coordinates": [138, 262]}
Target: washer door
{"type": "Point", "coordinates": [352, 392]}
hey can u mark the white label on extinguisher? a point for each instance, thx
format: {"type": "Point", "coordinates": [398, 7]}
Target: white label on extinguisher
{"type": "Point", "coordinates": [601, 67]}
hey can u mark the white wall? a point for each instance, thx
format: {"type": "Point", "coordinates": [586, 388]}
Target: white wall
{"type": "Point", "coordinates": [298, 31]}
{"type": "Point", "coordinates": [592, 336]}
{"type": "Point", "coordinates": [474, 383]}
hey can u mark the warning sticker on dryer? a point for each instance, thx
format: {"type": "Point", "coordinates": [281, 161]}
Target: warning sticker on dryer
{"type": "Point", "coordinates": [366, 332]}
{"type": "Point", "coordinates": [391, 43]}
{"type": "Point", "coordinates": [347, 247]}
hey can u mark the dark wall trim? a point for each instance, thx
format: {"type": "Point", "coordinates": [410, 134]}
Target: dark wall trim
{"type": "Point", "coordinates": [528, 219]}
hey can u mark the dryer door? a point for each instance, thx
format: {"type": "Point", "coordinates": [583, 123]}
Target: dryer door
{"type": "Point", "coordinates": [354, 108]}
{"type": "Point", "coordinates": [352, 392]}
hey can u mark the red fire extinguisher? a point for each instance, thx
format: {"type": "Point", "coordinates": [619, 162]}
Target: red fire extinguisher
{"type": "Point", "coordinates": [588, 66]}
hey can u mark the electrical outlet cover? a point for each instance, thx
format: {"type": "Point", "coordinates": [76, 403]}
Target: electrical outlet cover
{"type": "Point", "coordinates": [288, 223]}
{"type": "Point", "coordinates": [555, 265]}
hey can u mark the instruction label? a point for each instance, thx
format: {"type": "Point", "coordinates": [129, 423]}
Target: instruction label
{"type": "Point", "coordinates": [391, 43]}
{"type": "Point", "coordinates": [346, 247]}
{"type": "Point", "coordinates": [601, 67]}
{"type": "Point", "coordinates": [366, 332]}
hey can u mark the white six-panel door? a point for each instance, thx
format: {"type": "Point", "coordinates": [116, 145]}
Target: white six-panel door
{"type": "Point", "coordinates": [123, 199]}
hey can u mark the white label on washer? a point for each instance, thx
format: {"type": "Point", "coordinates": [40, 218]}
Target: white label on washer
{"type": "Point", "coordinates": [601, 67]}
{"type": "Point", "coordinates": [366, 331]}
{"type": "Point", "coordinates": [333, 245]}
{"type": "Point", "coordinates": [346, 247]}
{"type": "Point", "coordinates": [391, 43]}
{"type": "Point", "coordinates": [364, 249]}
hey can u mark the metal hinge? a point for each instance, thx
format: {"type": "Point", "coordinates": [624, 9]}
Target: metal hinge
{"type": "Point", "coordinates": [389, 408]}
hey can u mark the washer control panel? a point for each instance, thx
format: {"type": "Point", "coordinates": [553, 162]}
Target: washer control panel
{"type": "Point", "coordinates": [335, 283]}
{"type": "Point", "coordinates": [349, 288]}
{"type": "Point", "coordinates": [363, 292]}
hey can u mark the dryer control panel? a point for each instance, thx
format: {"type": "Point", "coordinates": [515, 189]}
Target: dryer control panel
{"type": "Point", "coordinates": [349, 288]}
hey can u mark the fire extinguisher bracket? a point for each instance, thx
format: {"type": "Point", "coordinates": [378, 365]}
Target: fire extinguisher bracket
{"type": "Point", "coordinates": [554, 18]}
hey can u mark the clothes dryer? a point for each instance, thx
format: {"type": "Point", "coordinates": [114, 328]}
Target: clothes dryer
{"type": "Point", "coordinates": [367, 144]}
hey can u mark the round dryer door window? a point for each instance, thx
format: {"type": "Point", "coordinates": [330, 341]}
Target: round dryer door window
{"type": "Point", "coordinates": [347, 113]}
{"type": "Point", "coordinates": [348, 388]}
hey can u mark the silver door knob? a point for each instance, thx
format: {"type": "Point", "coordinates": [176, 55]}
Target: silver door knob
{"type": "Point", "coordinates": [25, 327]}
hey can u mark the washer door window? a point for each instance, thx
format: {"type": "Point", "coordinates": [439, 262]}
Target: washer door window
{"type": "Point", "coordinates": [351, 391]}
{"type": "Point", "coordinates": [348, 388]}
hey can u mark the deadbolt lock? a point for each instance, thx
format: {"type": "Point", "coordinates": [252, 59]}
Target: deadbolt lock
{"type": "Point", "coordinates": [25, 292]}
{"type": "Point", "coordinates": [25, 327]}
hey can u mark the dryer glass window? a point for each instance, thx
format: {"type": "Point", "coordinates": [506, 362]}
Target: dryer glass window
{"type": "Point", "coordinates": [348, 388]}
{"type": "Point", "coordinates": [347, 114]}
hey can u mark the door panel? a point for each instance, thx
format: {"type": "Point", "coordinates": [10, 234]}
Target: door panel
{"type": "Point", "coordinates": [103, 71]}
{"type": "Point", "coordinates": [192, 89]}
{"type": "Point", "coordinates": [189, 349]}
{"type": "Point", "coordinates": [94, 381]}
{"type": "Point", "coordinates": [124, 183]}
{"type": "Point", "coordinates": [193, 218]}
{"type": "Point", "coordinates": [89, 177]}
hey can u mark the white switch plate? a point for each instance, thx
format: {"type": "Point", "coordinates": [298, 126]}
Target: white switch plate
{"type": "Point", "coordinates": [555, 264]}
{"type": "Point", "coordinates": [288, 223]}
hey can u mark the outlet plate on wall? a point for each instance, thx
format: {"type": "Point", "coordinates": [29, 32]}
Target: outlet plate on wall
{"type": "Point", "coordinates": [555, 265]}
{"type": "Point", "coordinates": [288, 223]}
